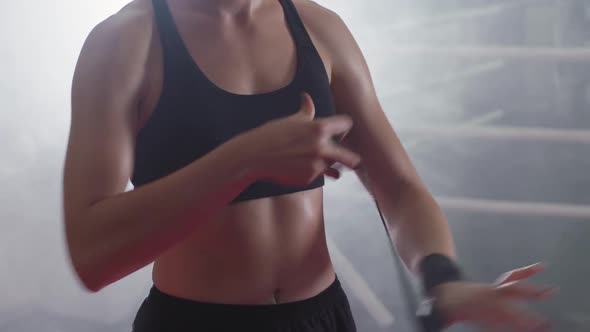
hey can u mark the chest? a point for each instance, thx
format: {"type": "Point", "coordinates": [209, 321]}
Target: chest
{"type": "Point", "coordinates": [258, 59]}
{"type": "Point", "coordinates": [205, 85]}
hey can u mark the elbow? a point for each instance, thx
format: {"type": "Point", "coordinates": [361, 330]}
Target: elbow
{"type": "Point", "coordinates": [86, 254]}
{"type": "Point", "coordinates": [397, 190]}
{"type": "Point", "coordinates": [87, 272]}
{"type": "Point", "coordinates": [86, 269]}
{"type": "Point", "coordinates": [89, 279]}
{"type": "Point", "coordinates": [90, 284]}
{"type": "Point", "coordinates": [401, 197]}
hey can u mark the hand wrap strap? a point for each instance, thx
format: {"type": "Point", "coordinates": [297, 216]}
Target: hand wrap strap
{"type": "Point", "coordinates": [438, 269]}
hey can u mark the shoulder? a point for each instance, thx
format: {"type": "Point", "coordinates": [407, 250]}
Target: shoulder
{"type": "Point", "coordinates": [328, 28]}
{"type": "Point", "coordinates": [320, 20]}
{"type": "Point", "coordinates": [315, 12]}
{"type": "Point", "coordinates": [114, 55]}
{"type": "Point", "coordinates": [131, 21]}
{"type": "Point", "coordinates": [125, 34]}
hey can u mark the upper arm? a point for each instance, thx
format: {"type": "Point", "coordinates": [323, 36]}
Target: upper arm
{"type": "Point", "coordinates": [105, 90]}
{"type": "Point", "coordinates": [372, 135]}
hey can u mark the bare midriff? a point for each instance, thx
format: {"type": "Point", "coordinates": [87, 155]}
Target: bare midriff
{"type": "Point", "coordinates": [263, 251]}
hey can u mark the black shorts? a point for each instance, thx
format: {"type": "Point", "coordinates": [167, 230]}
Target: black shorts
{"type": "Point", "coordinates": [328, 311]}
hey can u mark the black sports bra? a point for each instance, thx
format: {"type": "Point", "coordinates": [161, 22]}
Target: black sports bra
{"type": "Point", "coordinates": [193, 109]}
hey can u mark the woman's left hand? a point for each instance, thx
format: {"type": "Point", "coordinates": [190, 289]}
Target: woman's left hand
{"type": "Point", "coordinates": [491, 306]}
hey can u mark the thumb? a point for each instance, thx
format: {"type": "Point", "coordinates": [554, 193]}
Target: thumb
{"type": "Point", "coordinates": [307, 108]}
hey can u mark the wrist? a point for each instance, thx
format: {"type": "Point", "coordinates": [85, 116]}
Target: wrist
{"type": "Point", "coordinates": [438, 269]}
{"type": "Point", "coordinates": [443, 302]}
{"type": "Point", "coordinates": [244, 159]}
{"type": "Point", "coordinates": [434, 312]}
{"type": "Point", "coordinates": [430, 316]}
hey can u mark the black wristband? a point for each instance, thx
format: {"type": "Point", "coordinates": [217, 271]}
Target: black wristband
{"type": "Point", "coordinates": [437, 269]}
{"type": "Point", "coordinates": [430, 317]}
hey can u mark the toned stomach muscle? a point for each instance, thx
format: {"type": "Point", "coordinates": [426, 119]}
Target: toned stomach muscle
{"type": "Point", "coordinates": [263, 251]}
{"type": "Point", "coordinates": [269, 250]}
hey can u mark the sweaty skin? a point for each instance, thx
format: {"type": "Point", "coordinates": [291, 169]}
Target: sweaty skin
{"type": "Point", "coordinates": [268, 250]}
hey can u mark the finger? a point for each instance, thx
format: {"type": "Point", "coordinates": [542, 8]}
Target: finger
{"type": "Point", "coordinates": [339, 167]}
{"type": "Point", "coordinates": [307, 108]}
{"type": "Point", "coordinates": [342, 155]}
{"type": "Point", "coordinates": [489, 322]}
{"type": "Point", "coordinates": [492, 325]}
{"type": "Point", "coordinates": [332, 172]}
{"type": "Point", "coordinates": [335, 125]}
{"type": "Point", "coordinates": [342, 137]}
{"type": "Point", "coordinates": [519, 320]}
{"type": "Point", "coordinates": [521, 273]}
{"type": "Point", "coordinates": [518, 291]}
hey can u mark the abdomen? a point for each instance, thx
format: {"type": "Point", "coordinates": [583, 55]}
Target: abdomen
{"type": "Point", "coordinates": [254, 252]}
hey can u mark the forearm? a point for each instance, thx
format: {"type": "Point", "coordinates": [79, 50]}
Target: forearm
{"type": "Point", "coordinates": [121, 234]}
{"type": "Point", "coordinates": [416, 222]}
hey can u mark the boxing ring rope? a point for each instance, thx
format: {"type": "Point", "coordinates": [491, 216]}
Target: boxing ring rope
{"type": "Point", "coordinates": [457, 16]}
{"type": "Point", "coordinates": [360, 287]}
{"type": "Point", "coordinates": [496, 56]}
{"type": "Point", "coordinates": [463, 74]}
{"type": "Point", "coordinates": [553, 210]}
{"type": "Point", "coordinates": [475, 131]}
{"type": "Point", "coordinates": [538, 54]}
{"type": "Point", "coordinates": [547, 135]}
{"type": "Point", "coordinates": [525, 209]}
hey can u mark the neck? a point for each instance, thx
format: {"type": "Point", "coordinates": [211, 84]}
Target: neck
{"type": "Point", "coordinates": [222, 8]}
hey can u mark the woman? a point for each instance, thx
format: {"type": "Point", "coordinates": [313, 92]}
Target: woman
{"type": "Point", "coordinates": [226, 115]}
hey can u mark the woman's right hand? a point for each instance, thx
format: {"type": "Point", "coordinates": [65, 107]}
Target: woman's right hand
{"type": "Point", "coordinates": [297, 149]}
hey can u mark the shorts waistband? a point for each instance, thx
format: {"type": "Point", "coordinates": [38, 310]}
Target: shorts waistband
{"type": "Point", "coordinates": [184, 309]}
